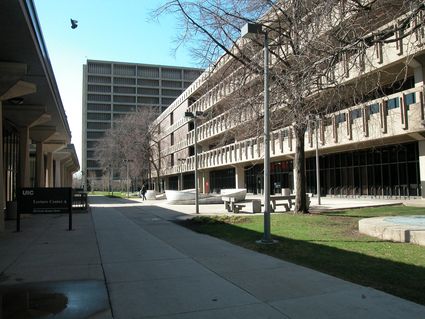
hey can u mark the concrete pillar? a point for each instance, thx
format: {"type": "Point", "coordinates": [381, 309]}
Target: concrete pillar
{"type": "Point", "coordinates": [57, 173]}
{"type": "Point", "coordinates": [180, 182]}
{"type": "Point", "coordinates": [50, 170]}
{"type": "Point", "coordinates": [40, 170]}
{"type": "Point", "coordinates": [240, 176]}
{"type": "Point", "coordinates": [422, 166]}
{"type": "Point", "coordinates": [2, 185]}
{"type": "Point", "coordinates": [24, 157]}
{"type": "Point", "coordinates": [62, 174]}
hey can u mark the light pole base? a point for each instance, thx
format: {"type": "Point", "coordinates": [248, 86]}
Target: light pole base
{"type": "Point", "coordinates": [267, 241]}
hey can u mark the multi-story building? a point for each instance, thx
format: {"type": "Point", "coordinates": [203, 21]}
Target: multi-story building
{"type": "Point", "coordinates": [374, 148]}
{"type": "Point", "coordinates": [34, 130]}
{"type": "Point", "coordinates": [113, 89]}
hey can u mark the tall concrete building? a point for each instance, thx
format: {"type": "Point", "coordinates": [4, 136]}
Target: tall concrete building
{"type": "Point", "coordinates": [113, 89]}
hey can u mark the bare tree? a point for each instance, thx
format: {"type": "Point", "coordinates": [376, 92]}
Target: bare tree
{"type": "Point", "coordinates": [317, 52]}
{"type": "Point", "coordinates": [130, 143]}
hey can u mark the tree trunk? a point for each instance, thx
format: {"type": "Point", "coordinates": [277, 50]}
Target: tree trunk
{"type": "Point", "coordinates": [299, 165]}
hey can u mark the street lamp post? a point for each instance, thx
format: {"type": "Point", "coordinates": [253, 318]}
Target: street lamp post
{"type": "Point", "coordinates": [193, 116]}
{"type": "Point", "coordinates": [316, 124]}
{"type": "Point", "coordinates": [181, 161]}
{"type": "Point", "coordinates": [251, 30]}
{"type": "Point", "coordinates": [314, 119]}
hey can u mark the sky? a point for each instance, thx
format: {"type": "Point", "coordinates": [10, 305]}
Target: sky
{"type": "Point", "coordinates": [112, 30]}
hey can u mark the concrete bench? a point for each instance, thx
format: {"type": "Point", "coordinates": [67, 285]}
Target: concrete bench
{"type": "Point", "coordinates": [237, 208]}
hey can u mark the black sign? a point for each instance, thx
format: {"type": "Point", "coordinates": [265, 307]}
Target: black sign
{"type": "Point", "coordinates": [44, 200]}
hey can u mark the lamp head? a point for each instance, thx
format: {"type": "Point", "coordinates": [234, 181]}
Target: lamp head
{"type": "Point", "coordinates": [251, 30]}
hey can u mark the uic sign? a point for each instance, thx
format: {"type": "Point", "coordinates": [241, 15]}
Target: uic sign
{"type": "Point", "coordinates": [44, 201]}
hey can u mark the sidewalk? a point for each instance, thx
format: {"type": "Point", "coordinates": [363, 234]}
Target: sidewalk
{"type": "Point", "coordinates": [150, 267]}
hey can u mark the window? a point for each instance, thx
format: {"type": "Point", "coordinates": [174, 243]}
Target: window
{"type": "Point", "coordinates": [99, 116]}
{"type": "Point", "coordinates": [172, 84]}
{"type": "Point", "coordinates": [171, 92]}
{"type": "Point", "coordinates": [99, 79]}
{"type": "Point", "coordinates": [99, 88]}
{"type": "Point", "coordinates": [145, 82]}
{"type": "Point", "coordinates": [148, 72]}
{"type": "Point", "coordinates": [128, 70]}
{"type": "Point", "coordinates": [126, 81]}
{"type": "Point", "coordinates": [340, 118]}
{"type": "Point", "coordinates": [175, 74]}
{"type": "Point", "coordinates": [92, 163]}
{"type": "Point", "coordinates": [99, 68]}
{"type": "Point", "coordinates": [393, 103]}
{"type": "Point", "coordinates": [124, 99]}
{"type": "Point", "coordinates": [374, 108]}
{"type": "Point", "coordinates": [98, 125]}
{"type": "Point", "coordinates": [410, 99]}
{"type": "Point", "coordinates": [98, 107]}
{"type": "Point", "coordinates": [146, 91]}
{"type": "Point", "coordinates": [124, 90]}
{"type": "Point", "coordinates": [94, 135]}
{"type": "Point", "coordinates": [124, 108]}
{"type": "Point", "coordinates": [91, 144]}
{"type": "Point", "coordinates": [167, 101]}
{"type": "Point", "coordinates": [355, 114]}
{"type": "Point", "coordinates": [99, 97]}
{"type": "Point", "coordinates": [172, 138]}
{"type": "Point", "coordinates": [191, 75]}
{"type": "Point", "coordinates": [147, 100]}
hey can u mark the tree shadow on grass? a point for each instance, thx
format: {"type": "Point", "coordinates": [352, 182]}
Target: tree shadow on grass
{"type": "Point", "coordinates": [397, 278]}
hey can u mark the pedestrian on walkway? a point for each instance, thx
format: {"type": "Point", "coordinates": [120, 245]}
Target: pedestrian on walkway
{"type": "Point", "coordinates": [143, 192]}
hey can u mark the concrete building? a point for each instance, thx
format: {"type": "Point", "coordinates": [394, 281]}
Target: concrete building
{"type": "Point", "coordinates": [375, 148]}
{"type": "Point", "coordinates": [113, 89]}
{"type": "Point", "coordinates": [34, 131]}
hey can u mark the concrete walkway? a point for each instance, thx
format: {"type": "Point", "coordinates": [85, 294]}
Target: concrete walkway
{"type": "Point", "coordinates": [153, 268]}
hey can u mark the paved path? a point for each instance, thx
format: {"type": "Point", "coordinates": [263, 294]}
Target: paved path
{"type": "Point", "coordinates": [154, 268]}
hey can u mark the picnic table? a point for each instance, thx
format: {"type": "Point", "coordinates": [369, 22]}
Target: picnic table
{"type": "Point", "coordinates": [230, 204]}
{"type": "Point", "coordinates": [287, 205]}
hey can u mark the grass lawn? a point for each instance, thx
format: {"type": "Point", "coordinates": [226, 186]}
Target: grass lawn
{"type": "Point", "coordinates": [116, 194]}
{"type": "Point", "coordinates": [331, 243]}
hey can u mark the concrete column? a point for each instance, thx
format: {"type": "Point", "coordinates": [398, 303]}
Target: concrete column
{"type": "Point", "coordinates": [40, 171]}
{"type": "Point", "coordinates": [62, 172]}
{"type": "Point", "coordinates": [422, 166]}
{"type": "Point", "coordinates": [240, 176]}
{"type": "Point", "coordinates": [24, 157]}
{"type": "Point", "coordinates": [2, 185]}
{"type": "Point", "coordinates": [50, 170]}
{"type": "Point", "coordinates": [57, 173]}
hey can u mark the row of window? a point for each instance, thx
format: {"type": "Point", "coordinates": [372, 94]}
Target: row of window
{"type": "Point", "coordinates": [142, 71]}
{"type": "Point", "coordinates": [374, 108]}
{"type": "Point", "coordinates": [107, 81]}
{"type": "Point", "coordinates": [132, 90]}
{"type": "Point", "coordinates": [125, 99]}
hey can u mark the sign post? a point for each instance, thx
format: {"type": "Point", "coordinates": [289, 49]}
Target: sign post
{"type": "Point", "coordinates": [44, 201]}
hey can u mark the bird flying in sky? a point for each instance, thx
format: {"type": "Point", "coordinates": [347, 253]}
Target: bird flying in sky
{"type": "Point", "coordinates": [74, 24]}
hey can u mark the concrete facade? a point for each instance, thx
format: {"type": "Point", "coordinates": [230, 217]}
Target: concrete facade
{"type": "Point", "coordinates": [394, 119]}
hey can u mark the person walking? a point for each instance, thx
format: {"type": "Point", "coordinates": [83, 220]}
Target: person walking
{"type": "Point", "coordinates": [143, 192]}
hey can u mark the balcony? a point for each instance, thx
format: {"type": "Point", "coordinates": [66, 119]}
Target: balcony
{"type": "Point", "coordinates": [398, 117]}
